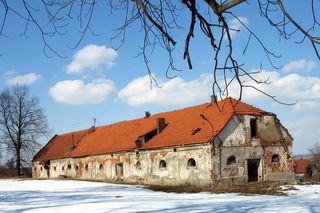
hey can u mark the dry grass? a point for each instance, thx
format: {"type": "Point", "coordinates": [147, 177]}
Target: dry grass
{"type": "Point", "coordinates": [177, 189]}
{"type": "Point", "coordinates": [258, 188]}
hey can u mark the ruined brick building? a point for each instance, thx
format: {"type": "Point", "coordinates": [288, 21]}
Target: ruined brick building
{"type": "Point", "coordinates": [204, 146]}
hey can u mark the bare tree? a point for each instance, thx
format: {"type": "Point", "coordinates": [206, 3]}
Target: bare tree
{"type": "Point", "coordinates": [22, 123]}
{"type": "Point", "coordinates": [161, 26]}
{"type": "Point", "coordinates": [314, 166]}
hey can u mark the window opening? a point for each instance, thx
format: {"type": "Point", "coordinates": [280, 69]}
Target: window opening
{"type": "Point", "coordinates": [231, 160]}
{"type": "Point", "coordinates": [69, 166]}
{"type": "Point", "coordinates": [87, 167]}
{"type": "Point", "coordinates": [62, 168]}
{"type": "Point", "coordinates": [253, 127]}
{"type": "Point", "coordinates": [101, 167]}
{"type": "Point", "coordinates": [195, 131]}
{"type": "Point", "coordinates": [162, 164]}
{"type": "Point", "coordinates": [138, 165]}
{"type": "Point", "coordinates": [77, 167]}
{"type": "Point", "coordinates": [275, 158]}
{"type": "Point", "coordinates": [191, 162]}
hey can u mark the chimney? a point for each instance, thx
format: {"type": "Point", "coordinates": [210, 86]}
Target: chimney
{"type": "Point", "coordinates": [161, 124]}
{"type": "Point", "coordinates": [147, 114]}
{"type": "Point", "coordinates": [213, 99]}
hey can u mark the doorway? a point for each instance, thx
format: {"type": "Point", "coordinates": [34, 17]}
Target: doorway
{"type": "Point", "coordinates": [119, 170]}
{"type": "Point", "coordinates": [253, 166]}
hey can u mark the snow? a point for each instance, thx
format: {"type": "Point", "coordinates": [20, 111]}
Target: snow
{"type": "Point", "coordinates": [82, 196]}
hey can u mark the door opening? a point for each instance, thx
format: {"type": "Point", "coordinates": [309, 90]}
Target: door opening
{"type": "Point", "coordinates": [119, 170]}
{"type": "Point", "coordinates": [253, 166]}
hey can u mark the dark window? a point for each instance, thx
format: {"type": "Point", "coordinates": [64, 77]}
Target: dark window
{"type": "Point", "coordinates": [41, 168]}
{"type": "Point", "coordinates": [275, 158]}
{"type": "Point", "coordinates": [87, 167]}
{"type": "Point", "coordinates": [77, 167]}
{"type": "Point", "coordinates": [162, 164]}
{"type": "Point", "coordinates": [191, 162]}
{"type": "Point", "coordinates": [138, 165]}
{"type": "Point", "coordinates": [231, 160]}
{"type": "Point", "coordinates": [101, 167]}
{"type": "Point", "coordinates": [195, 131]}
{"type": "Point", "coordinates": [69, 166]}
{"type": "Point", "coordinates": [35, 168]}
{"type": "Point", "coordinates": [54, 168]}
{"type": "Point", "coordinates": [253, 127]}
{"type": "Point", "coordinates": [174, 149]}
{"type": "Point", "coordinates": [62, 168]}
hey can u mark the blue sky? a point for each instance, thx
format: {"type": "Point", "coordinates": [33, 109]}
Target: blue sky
{"type": "Point", "coordinates": [96, 81]}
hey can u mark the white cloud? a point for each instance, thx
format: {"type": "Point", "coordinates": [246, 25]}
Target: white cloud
{"type": "Point", "coordinates": [236, 25]}
{"type": "Point", "coordinates": [178, 92]}
{"type": "Point", "coordinates": [301, 64]}
{"type": "Point", "coordinates": [27, 79]}
{"type": "Point", "coordinates": [76, 92]}
{"type": "Point", "coordinates": [305, 131]}
{"type": "Point", "coordinates": [288, 88]}
{"type": "Point", "coordinates": [174, 92]}
{"type": "Point", "coordinates": [92, 57]}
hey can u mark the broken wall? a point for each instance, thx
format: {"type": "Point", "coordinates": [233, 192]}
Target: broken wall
{"type": "Point", "coordinates": [238, 151]}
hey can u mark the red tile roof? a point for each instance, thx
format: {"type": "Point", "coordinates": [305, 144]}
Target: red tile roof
{"type": "Point", "coordinates": [301, 166]}
{"type": "Point", "coordinates": [59, 146]}
{"type": "Point", "coordinates": [121, 136]}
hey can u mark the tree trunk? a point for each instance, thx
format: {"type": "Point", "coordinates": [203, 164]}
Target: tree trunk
{"type": "Point", "coordinates": [18, 163]}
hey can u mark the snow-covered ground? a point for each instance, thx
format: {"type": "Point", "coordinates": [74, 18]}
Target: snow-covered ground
{"type": "Point", "coordinates": [80, 196]}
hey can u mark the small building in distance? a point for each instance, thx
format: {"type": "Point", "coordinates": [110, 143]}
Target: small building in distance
{"type": "Point", "coordinates": [204, 146]}
{"type": "Point", "coordinates": [301, 168]}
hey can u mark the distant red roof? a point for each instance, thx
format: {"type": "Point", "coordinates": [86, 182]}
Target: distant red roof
{"type": "Point", "coordinates": [301, 166]}
{"type": "Point", "coordinates": [192, 125]}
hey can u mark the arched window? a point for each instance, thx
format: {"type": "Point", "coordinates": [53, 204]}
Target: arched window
{"type": "Point", "coordinates": [41, 168]}
{"type": "Point", "coordinates": [77, 167]}
{"type": "Point", "coordinates": [191, 162]}
{"type": "Point", "coordinates": [275, 158]}
{"type": "Point", "coordinates": [62, 168]}
{"type": "Point", "coordinates": [87, 167]}
{"type": "Point", "coordinates": [138, 165]}
{"type": "Point", "coordinates": [54, 168]}
{"type": "Point", "coordinates": [101, 167]}
{"type": "Point", "coordinates": [162, 164]}
{"type": "Point", "coordinates": [231, 160]}
{"type": "Point", "coordinates": [69, 166]}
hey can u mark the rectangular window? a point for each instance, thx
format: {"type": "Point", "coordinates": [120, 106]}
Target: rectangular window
{"type": "Point", "coordinates": [253, 127]}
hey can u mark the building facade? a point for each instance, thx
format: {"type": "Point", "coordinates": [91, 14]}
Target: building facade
{"type": "Point", "coordinates": [205, 146]}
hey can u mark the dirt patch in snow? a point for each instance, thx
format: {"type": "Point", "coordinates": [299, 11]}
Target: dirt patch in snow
{"type": "Point", "coordinates": [261, 188]}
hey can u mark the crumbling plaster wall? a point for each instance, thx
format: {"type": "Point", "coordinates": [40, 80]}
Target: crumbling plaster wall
{"type": "Point", "coordinates": [140, 167]}
{"type": "Point", "coordinates": [235, 140]}
{"type": "Point", "coordinates": [38, 170]}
